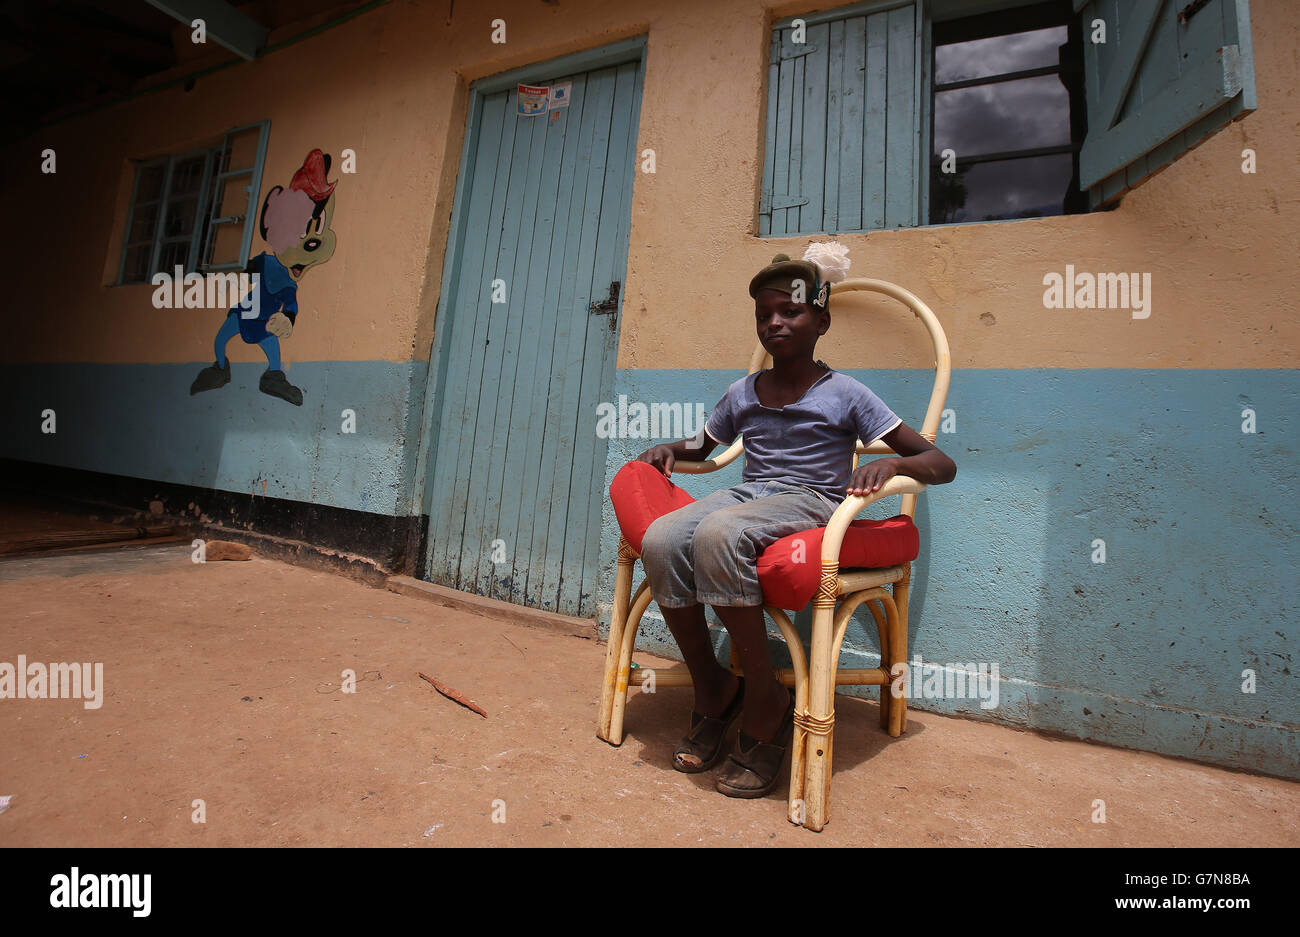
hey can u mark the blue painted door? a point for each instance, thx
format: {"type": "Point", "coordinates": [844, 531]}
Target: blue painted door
{"type": "Point", "coordinates": [542, 234]}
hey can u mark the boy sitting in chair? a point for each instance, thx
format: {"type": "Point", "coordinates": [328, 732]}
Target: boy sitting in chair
{"type": "Point", "coordinates": [800, 420]}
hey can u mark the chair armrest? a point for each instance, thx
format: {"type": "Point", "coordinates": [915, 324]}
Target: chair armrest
{"type": "Point", "coordinates": [852, 506]}
{"type": "Point", "coordinates": [711, 465]}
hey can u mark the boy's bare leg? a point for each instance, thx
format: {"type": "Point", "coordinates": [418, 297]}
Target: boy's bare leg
{"type": "Point", "coordinates": [766, 699]}
{"type": "Point", "coordinates": [715, 685]}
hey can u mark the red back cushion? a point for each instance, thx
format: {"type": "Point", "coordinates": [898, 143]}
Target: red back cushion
{"type": "Point", "coordinates": [641, 494]}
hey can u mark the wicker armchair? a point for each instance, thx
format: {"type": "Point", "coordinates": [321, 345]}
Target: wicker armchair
{"type": "Point", "coordinates": [814, 674]}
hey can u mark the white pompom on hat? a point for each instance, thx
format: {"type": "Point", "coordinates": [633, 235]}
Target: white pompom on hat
{"type": "Point", "coordinates": [831, 258]}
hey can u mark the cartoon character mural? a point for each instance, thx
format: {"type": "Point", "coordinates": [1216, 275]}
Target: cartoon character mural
{"type": "Point", "coordinates": [296, 223]}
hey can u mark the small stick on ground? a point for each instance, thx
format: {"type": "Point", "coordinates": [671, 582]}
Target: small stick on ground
{"type": "Point", "coordinates": [451, 694]}
{"type": "Point", "coordinates": [513, 645]}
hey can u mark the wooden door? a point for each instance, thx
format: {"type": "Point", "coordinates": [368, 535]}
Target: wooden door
{"type": "Point", "coordinates": [518, 467]}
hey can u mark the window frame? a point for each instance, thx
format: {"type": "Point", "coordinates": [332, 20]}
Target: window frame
{"type": "Point", "coordinates": [127, 244]}
{"type": "Point", "coordinates": [1076, 200]}
{"type": "Point", "coordinates": [254, 172]}
{"type": "Point", "coordinates": [1128, 135]}
{"type": "Point", "coordinates": [160, 219]}
{"type": "Point", "coordinates": [928, 14]}
{"type": "Point", "coordinates": [201, 236]}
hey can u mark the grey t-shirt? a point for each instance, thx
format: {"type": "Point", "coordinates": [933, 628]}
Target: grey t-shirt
{"type": "Point", "coordinates": [810, 442]}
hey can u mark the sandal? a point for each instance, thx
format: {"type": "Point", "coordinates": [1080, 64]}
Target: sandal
{"type": "Point", "coordinates": [754, 767]}
{"type": "Point", "coordinates": [700, 749]}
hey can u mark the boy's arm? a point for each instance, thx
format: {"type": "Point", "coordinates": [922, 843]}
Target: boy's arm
{"type": "Point", "coordinates": [917, 458]}
{"type": "Point", "coordinates": [663, 457]}
{"type": "Point", "coordinates": [698, 447]}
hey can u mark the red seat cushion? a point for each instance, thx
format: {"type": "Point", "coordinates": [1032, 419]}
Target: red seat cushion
{"type": "Point", "coordinates": [790, 568]}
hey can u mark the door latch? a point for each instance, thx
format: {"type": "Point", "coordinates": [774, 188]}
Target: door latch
{"type": "Point", "coordinates": [609, 306]}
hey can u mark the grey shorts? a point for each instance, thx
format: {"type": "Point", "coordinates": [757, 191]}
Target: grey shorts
{"type": "Point", "coordinates": [707, 552]}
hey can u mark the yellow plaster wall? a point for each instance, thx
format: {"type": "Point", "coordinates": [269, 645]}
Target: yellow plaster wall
{"type": "Point", "coordinates": [391, 84]}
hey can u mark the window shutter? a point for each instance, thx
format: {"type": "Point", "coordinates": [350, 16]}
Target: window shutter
{"type": "Point", "coordinates": [1170, 75]}
{"type": "Point", "coordinates": [236, 186]}
{"type": "Point", "coordinates": [843, 123]}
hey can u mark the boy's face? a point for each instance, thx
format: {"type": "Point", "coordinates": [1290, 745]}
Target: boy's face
{"type": "Point", "coordinates": [787, 329]}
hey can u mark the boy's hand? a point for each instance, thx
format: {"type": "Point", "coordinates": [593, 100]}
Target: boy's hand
{"type": "Point", "coordinates": [661, 457]}
{"type": "Point", "coordinates": [868, 478]}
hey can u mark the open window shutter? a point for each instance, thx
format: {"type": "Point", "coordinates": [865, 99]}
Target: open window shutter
{"type": "Point", "coordinates": [841, 151]}
{"type": "Point", "coordinates": [1170, 74]}
{"type": "Point", "coordinates": [236, 186]}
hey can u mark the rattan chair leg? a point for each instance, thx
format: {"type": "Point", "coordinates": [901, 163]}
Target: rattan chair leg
{"type": "Point", "coordinates": [818, 719]}
{"type": "Point", "coordinates": [898, 646]}
{"type": "Point", "coordinates": [617, 622]}
{"type": "Point", "coordinates": [799, 662]}
{"type": "Point", "coordinates": [882, 629]}
{"type": "Point", "coordinates": [624, 672]}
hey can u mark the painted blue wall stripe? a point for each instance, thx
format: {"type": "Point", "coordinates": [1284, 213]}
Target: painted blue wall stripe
{"type": "Point", "coordinates": [139, 420]}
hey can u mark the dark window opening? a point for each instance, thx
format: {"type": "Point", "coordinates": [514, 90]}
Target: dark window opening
{"type": "Point", "coordinates": [169, 216]}
{"type": "Point", "coordinates": [1008, 115]}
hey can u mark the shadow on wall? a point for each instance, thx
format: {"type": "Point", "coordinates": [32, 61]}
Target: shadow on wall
{"type": "Point", "coordinates": [1146, 650]}
{"type": "Point", "coordinates": [1119, 548]}
{"type": "Point", "coordinates": [1169, 563]}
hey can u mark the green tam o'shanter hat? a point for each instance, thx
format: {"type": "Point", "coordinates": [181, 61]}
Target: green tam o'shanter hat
{"type": "Point", "coordinates": [823, 263]}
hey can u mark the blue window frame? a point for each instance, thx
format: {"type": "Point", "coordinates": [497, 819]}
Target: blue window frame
{"type": "Point", "coordinates": [197, 209]}
{"type": "Point", "coordinates": [862, 100]}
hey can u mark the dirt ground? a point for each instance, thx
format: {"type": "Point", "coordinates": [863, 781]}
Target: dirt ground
{"type": "Point", "coordinates": [28, 522]}
{"type": "Point", "coordinates": [222, 684]}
